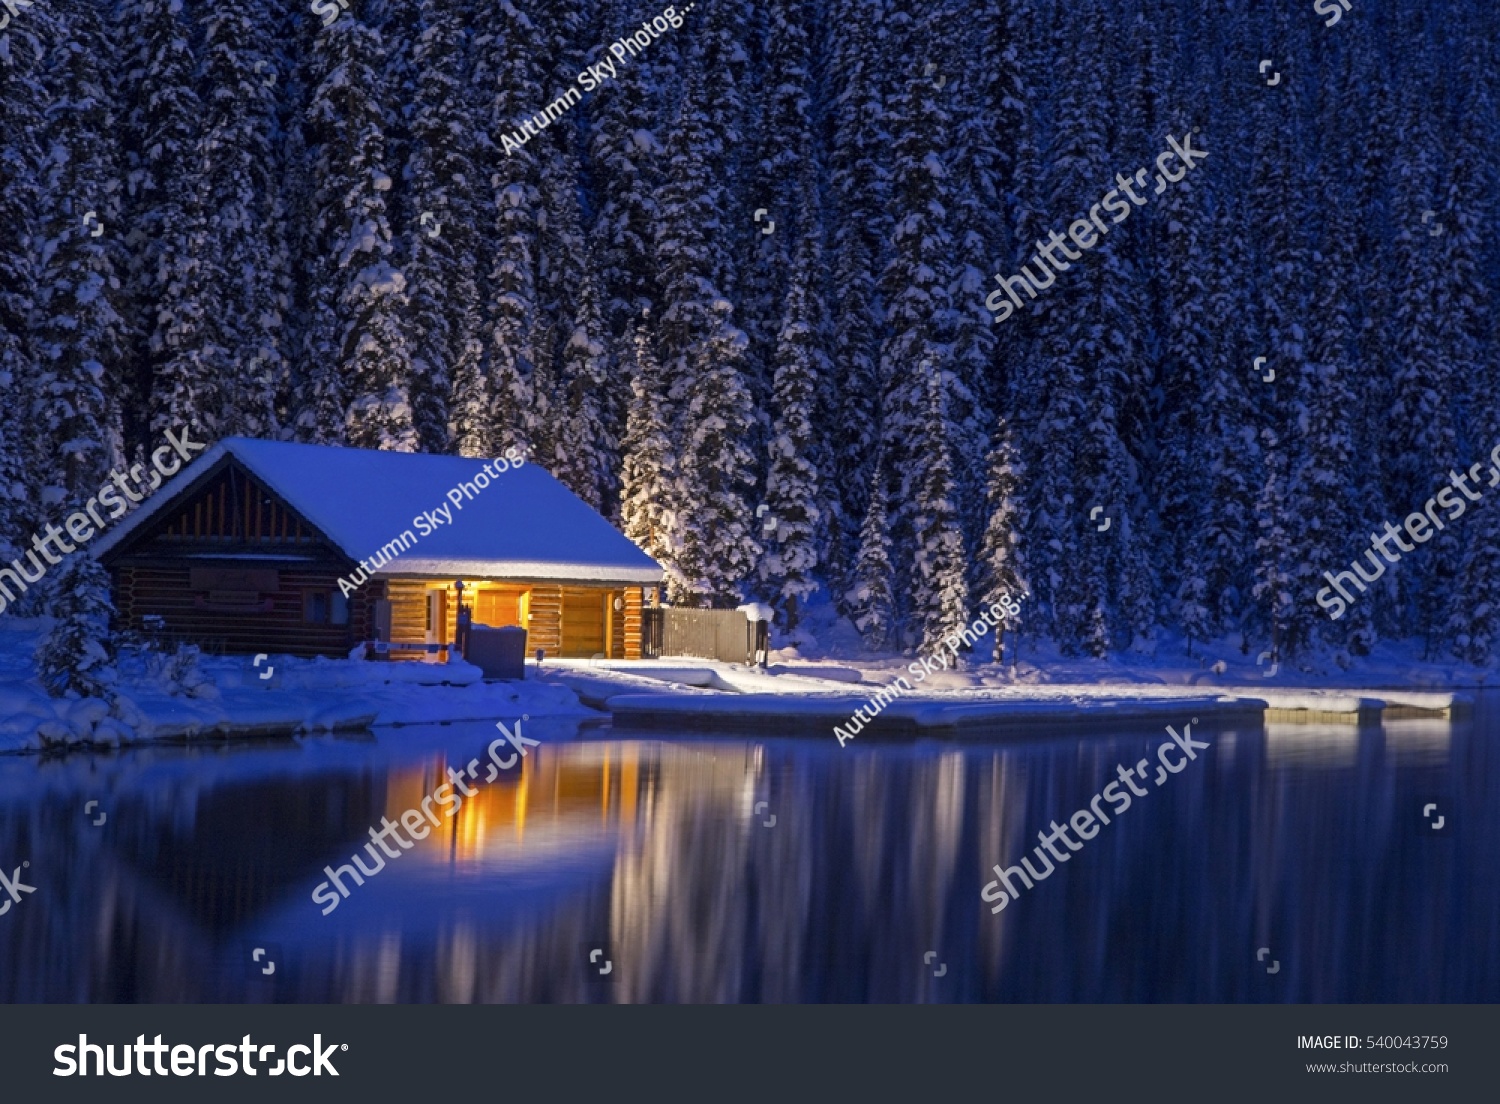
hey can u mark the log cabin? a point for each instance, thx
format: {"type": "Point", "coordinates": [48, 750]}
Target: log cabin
{"type": "Point", "coordinates": [310, 550]}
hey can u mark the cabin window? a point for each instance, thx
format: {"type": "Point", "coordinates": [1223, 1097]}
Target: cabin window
{"type": "Point", "coordinates": [315, 607]}
{"type": "Point", "coordinates": [340, 610]}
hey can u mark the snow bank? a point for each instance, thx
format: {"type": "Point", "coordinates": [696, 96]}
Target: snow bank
{"type": "Point", "coordinates": [224, 697]}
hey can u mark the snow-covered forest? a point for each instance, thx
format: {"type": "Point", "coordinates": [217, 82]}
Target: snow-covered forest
{"type": "Point", "coordinates": [234, 215]}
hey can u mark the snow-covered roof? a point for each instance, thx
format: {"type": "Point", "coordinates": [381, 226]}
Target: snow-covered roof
{"type": "Point", "coordinates": [524, 524]}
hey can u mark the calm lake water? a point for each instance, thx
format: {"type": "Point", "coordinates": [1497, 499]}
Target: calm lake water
{"type": "Point", "coordinates": [659, 856]}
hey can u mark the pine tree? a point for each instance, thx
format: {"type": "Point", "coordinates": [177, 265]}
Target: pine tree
{"type": "Point", "coordinates": [796, 527]}
{"type": "Point", "coordinates": [586, 451]}
{"type": "Point", "coordinates": [78, 655]}
{"type": "Point", "coordinates": [512, 353]}
{"type": "Point", "coordinates": [442, 177]}
{"type": "Point", "coordinates": [870, 600]}
{"type": "Point", "coordinates": [1421, 438]}
{"type": "Point", "coordinates": [623, 148]}
{"type": "Point", "coordinates": [785, 154]}
{"type": "Point", "coordinates": [861, 222]}
{"type": "Point", "coordinates": [686, 256]}
{"type": "Point", "coordinates": [941, 592]}
{"type": "Point", "coordinates": [359, 390]}
{"type": "Point", "coordinates": [718, 57]}
{"type": "Point", "coordinates": [1219, 550]}
{"type": "Point", "coordinates": [649, 466]}
{"type": "Point", "coordinates": [1274, 578]}
{"type": "Point", "coordinates": [1473, 602]}
{"type": "Point", "coordinates": [503, 407]}
{"type": "Point", "coordinates": [1103, 589]}
{"type": "Point", "coordinates": [167, 276]}
{"type": "Point", "coordinates": [1322, 448]}
{"type": "Point", "coordinates": [920, 325]}
{"type": "Point", "coordinates": [81, 337]}
{"type": "Point", "coordinates": [1283, 261]}
{"type": "Point", "coordinates": [714, 544]}
{"type": "Point", "coordinates": [21, 243]}
{"type": "Point", "coordinates": [1003, 566]}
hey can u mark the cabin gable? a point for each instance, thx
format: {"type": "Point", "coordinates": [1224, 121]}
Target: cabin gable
{"type": "Point", "coordinates": [233, 567]}
{"type": "Point", "coordinates": [228, 511]}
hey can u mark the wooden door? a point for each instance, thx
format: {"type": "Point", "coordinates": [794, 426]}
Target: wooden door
{"type": "Point", "coordinates": [583, 622]}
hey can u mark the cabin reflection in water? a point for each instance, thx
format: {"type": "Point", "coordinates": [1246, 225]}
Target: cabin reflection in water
{"type": "Point", "coordinates": [712, 870]}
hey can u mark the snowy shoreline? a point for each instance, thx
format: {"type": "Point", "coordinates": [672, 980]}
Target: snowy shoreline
{"type": "Point", "coordinates": [227, 698]}
{"type": "Point", "coordinates": [231, 698]}
{"type": "Point", "coordinates": [700, 695]}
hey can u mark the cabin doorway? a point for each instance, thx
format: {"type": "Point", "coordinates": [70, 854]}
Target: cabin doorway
{"type": "Point", "coordinates": [437, 624]}
{"type": "Point", "coordinates": [584, 617]}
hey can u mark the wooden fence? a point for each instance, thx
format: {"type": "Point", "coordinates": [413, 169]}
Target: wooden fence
{"type": "Point", "coordinates": [725, 635]}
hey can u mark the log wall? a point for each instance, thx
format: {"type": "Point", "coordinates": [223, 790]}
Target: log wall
{"type": "Point", "coordinates": [245, 623]}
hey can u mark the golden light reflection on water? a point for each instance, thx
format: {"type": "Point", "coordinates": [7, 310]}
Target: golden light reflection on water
{"type": "Point", "coordinates": [724, 870]}
{"type": "Point", "coordinates": [571, 789]}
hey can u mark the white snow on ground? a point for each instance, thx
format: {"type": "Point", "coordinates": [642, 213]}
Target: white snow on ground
{"type": "Point", "coordinates": [826, 640]}
{"type": "Point", "coordinates": [227, 696]}
{"type": "Point", "coordinates": [803, 682]}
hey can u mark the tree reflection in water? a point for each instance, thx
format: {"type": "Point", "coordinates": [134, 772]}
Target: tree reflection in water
{"type": "Point", "coordinates": [1307, 840]}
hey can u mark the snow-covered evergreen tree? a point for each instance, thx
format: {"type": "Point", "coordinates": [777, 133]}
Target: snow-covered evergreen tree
{"type": "Point", "coordinates": [870, 600]}
{"type": "Point", "coordinates": [940, 599]}
{"type": "Point", "coordinates": [686, 253]}
{"type": "Point", "coordinates": [623, 146]}
{"type": "Point", "coordinates": [795, 530]}
{"type": "Point", "coordinates": [920, 326]}
{"type": "Point", "coordinates": [78, 655]}
{"type": "Point", "coordinates": [359, 366]}
{"type": "Point", "coordinates": [586, 451]}
{"type": "Point", "coordinates": [1274, 573]}
{"type": "Point", "coordinates": [1001, 559]}
{"type": "Point", "coordinates": [80, 337]}
{"type": "Point", "coordinates": [860, 230]}
{"type": "Point", "coordinates": [238, 198]}
{"type": "Point", "coordinates": [714, 542]}
{"type": "Point", "coordinates": [167, 277]}
{"type": "Point", "coordinates": [1283, 265]}
{"type": "Point", "coordinates": [648, 495]}
{"type": "Point", "coordinates": [22, 239]}
{"type": "Point", "coordinates": [443, 180]}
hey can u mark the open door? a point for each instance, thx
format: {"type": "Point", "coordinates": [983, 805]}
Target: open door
{"type": "Point", "coordinates": [437, 624]}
